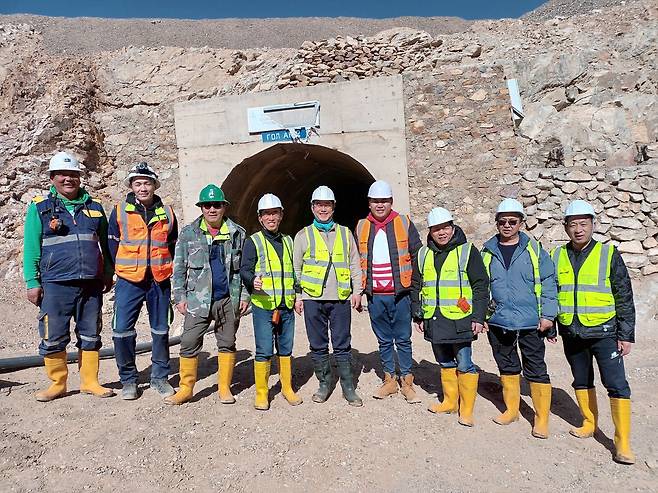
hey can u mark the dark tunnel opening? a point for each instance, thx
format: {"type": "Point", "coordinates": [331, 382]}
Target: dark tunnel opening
{"type": "Point", "coordinates": [292, 172]}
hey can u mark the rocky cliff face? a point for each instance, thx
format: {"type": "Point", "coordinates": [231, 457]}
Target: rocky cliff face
{"type": "Point", "coordinates": [588, 83]}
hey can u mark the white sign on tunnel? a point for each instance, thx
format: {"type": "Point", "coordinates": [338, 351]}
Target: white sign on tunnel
{"type": "Point", "coordinates": [283, 116]}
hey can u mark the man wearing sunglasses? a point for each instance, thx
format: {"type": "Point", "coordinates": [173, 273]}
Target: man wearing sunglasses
{"type": "Point", "coordinates": [523, 307]}
{"type": "Point", "coordinates": [207, 288]}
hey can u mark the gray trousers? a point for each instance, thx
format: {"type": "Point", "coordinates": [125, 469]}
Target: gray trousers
{"type": "Point", "coordinates": [225, 327]}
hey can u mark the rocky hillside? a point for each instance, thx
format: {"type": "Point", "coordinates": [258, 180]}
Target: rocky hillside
{"type": "Point", "coordinates": [568, 8]}
{"type": "Point", "coordinates": [589, 86]}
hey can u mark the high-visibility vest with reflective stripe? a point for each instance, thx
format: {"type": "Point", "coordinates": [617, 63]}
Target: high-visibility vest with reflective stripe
{"type": "Point", "coordinates": [593, 299]}
{"type": "Point", "coordinates": [444, 290]}
{"type": "Point", "coordinates": [317, 259]}
{"type": "Point", "coordinates": [278, 279]}
{"type": "Point", "coordinates": [401, 231]}
{"type": "Point", "coordinates": [142, 246]}
{"type": "Point", "coordinates": [71, 252]}
{"type": "Point", "coordinates": [534, 250]}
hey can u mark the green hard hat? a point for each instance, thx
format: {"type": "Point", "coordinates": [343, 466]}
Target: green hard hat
{"type": "Point", "coordinates": [211, 193]}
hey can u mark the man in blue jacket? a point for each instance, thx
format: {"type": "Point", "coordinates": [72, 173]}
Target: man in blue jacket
{"type": "Point", "coordinates": [522, 310]}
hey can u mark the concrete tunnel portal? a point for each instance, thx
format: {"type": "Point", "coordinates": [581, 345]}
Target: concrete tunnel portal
{"type": "Point", "coordinates": [292, 171]}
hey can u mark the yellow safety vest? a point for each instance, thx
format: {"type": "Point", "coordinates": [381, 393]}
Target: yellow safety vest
{"type": "Point", "coordinates": [278, 280]}
{"type": "Point", "coordinates": [445, 290]}
{"type": "Point", "coordinates": [593, 299]}
{"type": "Point", "coordinates": [534, 250]}
{"type": "Point", "coordinates": [317, 259]}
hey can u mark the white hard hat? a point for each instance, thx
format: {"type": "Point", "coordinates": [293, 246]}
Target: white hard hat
{"type": "Point", "coordinates": [510, 205]}
{"type": "Point", "coordinates": [380, 190]}
{"type": "Point", "coordinates": [63, 161]}
{"type": "Point", "coordinates": [579, 208]}
{"type": "Point", "coordinates": [269, 201]}
{"type": "Point", "coordinates": [142, 169]}
{"type": "Point", "coordinates": [438, 215]}
{"type": "Point", "coordinates": [323, 193]}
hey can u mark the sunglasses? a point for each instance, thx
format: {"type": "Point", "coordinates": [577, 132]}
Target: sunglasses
{"type": "Point", "coordinates": [213, 205]}
{"type": "Point", "coordinates": [511, 222]}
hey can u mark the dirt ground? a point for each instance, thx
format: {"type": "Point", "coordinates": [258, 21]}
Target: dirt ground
{"type": "Point", "coordinates": [81, 443]}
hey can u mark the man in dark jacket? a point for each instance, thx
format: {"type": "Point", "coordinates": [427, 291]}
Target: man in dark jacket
{"type": "Point", "coordinates": [449, 295]}
{"type": "Point", "coordinates": [388, 244]}
{"type": "Point", "coordinates": [522, 309]}
{"type": "Point", "coordinates": [596, 320]}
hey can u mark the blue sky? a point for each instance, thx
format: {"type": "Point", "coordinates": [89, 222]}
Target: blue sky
{"type": "Point", "coordinates": [200, 9]}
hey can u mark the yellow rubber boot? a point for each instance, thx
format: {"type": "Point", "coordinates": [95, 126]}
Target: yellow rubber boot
{"type": "Point", "coordinates": [621, 417]}
{"type": "Point", "coordinates": [226, 364]}
{"type": "Point", "coordinates": [285, 377]}
{"type": "Point", "coordinates": [468, 391]}
{"type": "Point", "coordinates": [541, 401]}
{"type": "Point", "coordinates": [590, 411]}
{"type": "Point", "coordinates": [262, 377]}
{"type": "Point", "coordinates": [512, 398]}
{"type": "Point", "coordinates": [450, 388]}
{"type": "Point", "coordinates": [188, 372]}
{"type": "Point", "coordinates": [58, 372]}
{"type": "Point", "coordinates": [89, 363]}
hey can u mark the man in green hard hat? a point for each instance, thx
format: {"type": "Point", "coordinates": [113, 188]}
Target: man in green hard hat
{"type": "Point", "coordinates": [207, 288]}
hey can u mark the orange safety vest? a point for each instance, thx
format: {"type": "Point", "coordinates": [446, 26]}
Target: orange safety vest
{"type": "Point", "coordinates": [140, 246]}
{"type": "Point", "coordinates": [401, 231]}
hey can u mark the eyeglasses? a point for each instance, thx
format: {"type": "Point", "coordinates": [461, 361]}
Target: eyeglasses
{"type": "Point", "coordinates": [511, 222]}
{"type": "Point", "coordinates": [213, 205]}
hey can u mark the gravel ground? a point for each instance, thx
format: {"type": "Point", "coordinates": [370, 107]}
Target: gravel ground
{"type": "Point", "coordinates": [567, 8]}
{"type": "Point", "coordinates": [89, 35]}
{"type": "Point", "coordinates": [145, 446]}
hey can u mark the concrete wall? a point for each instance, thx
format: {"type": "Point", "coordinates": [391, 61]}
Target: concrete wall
{"type": "Point", "coordinates": [364, 119]}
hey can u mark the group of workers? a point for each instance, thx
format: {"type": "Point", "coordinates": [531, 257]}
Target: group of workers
{"type": "Point", "coordinates": [513, 290]}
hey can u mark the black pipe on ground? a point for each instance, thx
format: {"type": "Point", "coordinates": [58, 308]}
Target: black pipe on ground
{"type": "Point", "coordinates": [22, 362]}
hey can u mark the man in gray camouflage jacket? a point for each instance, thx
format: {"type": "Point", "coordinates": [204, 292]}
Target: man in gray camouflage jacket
{"type": "Point", "coordinates": [207, 288]}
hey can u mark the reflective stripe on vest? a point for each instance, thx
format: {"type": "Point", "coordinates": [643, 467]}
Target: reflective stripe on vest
{"type": "Point", "coordinates": [593, 299]}
{"type": "Point", "coordinates": [317, 259]}
{"type": "Point", "coordinates": [142, 246]}
{"type": "Point", "coordinates": [401, 231]}
{"type": "Point", "coordinates": [278, 280]}
{"type": "Point", "coordinates": [72, 251]}
{"type": "Point", "coordinates": [534, 250]}
{"type": "Point", "coordinates": [445, 290]}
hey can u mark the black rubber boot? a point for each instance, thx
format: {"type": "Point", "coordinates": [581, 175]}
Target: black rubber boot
{"type": "Point", "coordinates": [323, 374]}
{"type": "Point", "coordinates": [347, 383]}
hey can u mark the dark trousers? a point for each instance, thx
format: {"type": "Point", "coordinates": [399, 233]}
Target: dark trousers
{"type": "Point", "coordinates": [80, 300]}
{"type": "Point", "coordinates": [129, 297]}
{"type": "Point", "coordinates": [323, 317]}
{"type": "Point", "coordinates": [506, 344]}
{"type": "Point", "coordinates": [580, 354]}
{"type": "Point", "coordinates": [270, 336]}
{"type": "Point", "coordinates": [390, 317]}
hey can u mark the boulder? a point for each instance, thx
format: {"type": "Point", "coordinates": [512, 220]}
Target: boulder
{"type": "Point", "coordinates": [630, 247]}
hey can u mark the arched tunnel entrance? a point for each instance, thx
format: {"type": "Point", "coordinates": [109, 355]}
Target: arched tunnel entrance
{"type": "Point", "coordinates": [292, 172]}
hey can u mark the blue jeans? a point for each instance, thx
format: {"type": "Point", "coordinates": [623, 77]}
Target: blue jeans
{"type": "Point", "coordinates": [390, 317]}
{"type": "Point", "coordinates": [80, 300]}
{"type": "Point", "coordinates": [128, 300]}
{"type": "Point", "coordinates": [268, 336]}
{"type": "Point", "coordinates": [455, 356]}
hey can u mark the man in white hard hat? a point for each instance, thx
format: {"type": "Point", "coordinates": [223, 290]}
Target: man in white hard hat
{"type": "Point", "coordinates": [596, 319]}
{"type": "Point", "coordinates": [142, 238]}
{"type": "Point", "coordinates": [523, 307]}
{"type": "Point", "coordinates": [326, 262]}
{"type": "Point", "coordinates": [388, 244]}
{"type": "Point", "coordinates": [268, 274]}
{"type": "Point", "coordinates": [449, 295]}
{"type": "Point", "coordinates": [67, 268]}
